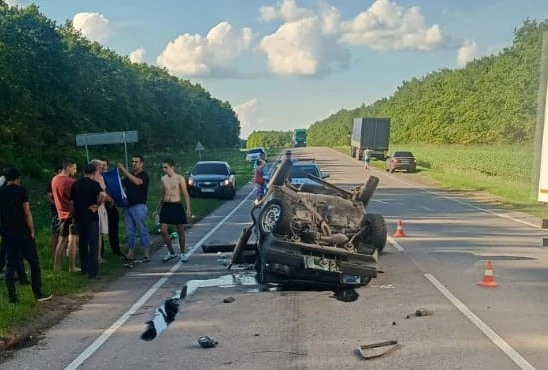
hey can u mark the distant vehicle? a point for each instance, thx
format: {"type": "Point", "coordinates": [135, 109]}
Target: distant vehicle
{"type": "Point", "coordinates": [401, 161]}
{"type": "Point", "coordinates": [212, 178]}
{"type": "Point", "coordinates": [299, 170]}
{"type": "Point", "coordinates": [370, 133]}
{"type": "Point", "coordinates": [254, 153]}
{"type": "Point", "coordinates": [299, 137]}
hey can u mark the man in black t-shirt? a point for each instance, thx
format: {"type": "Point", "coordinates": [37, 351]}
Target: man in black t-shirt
{"type": "Point", "coordinates": [86, 196]}
{"type": "Point", "coordinates": [18, 233]}
{"type": "Point", "coordinates": [20, 268]}
{"type": "Point", "coordinates": [136, 213]}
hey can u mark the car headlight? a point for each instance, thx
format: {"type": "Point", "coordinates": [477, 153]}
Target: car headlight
{"type": "Point", "coordinates": [190, 182]}
{"type": "Point", "coordinates": [225, 182]}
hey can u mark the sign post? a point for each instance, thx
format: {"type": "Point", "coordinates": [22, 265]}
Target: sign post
{"type": "Point", "coordinates": [199, 148]}
{"type": "Point", "coordinates": [118, 137]}
{"type": "Point", "coordinates": [540, 162]}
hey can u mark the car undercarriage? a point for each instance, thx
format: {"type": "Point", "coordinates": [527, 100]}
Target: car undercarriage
{"type": "Point", "coordinates": [314, 234]}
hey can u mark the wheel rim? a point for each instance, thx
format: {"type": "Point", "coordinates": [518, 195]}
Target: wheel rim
{"type": "Point", "coordinates": [270, 218]}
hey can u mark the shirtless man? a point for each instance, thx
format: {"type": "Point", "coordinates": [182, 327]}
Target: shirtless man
{"type": "Point", "coordinates": [171, 208]}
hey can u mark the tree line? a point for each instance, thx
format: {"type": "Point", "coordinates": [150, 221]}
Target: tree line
{"type": "Point", "coordinates": [270, 139]}
{"type": "Point", "coordinates": [55, 83]}
{"type": "Point", "coordinates": [491, 101]}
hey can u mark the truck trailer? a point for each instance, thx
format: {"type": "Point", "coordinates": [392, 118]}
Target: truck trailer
{"type": "Point", "coordinates": [372, 134]}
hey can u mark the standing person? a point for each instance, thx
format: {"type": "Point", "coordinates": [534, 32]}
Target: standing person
{"type": "Point", "coordinates": [135, 216]}
{"type": "Point", "coordinates": [20, 268]}
{"type": "Point", "coordinates": [113, 219]}
{"type": "Point", "coordinates": [68, 232]}
{"type": "Point", "coordinates": [86, 197]}
{"type": "Point", "coordinates": [102, 210]}
{"type": "Point", "coordinates": [367, 158]}
{"type": "Point", "coordinates": [259, 180]}
{"type": "Point", "coordinates": [171, 208]}
{"type": "Point", "coordinates": [54, 215]}
{"type": "Point", "coordinates": [18, 230]}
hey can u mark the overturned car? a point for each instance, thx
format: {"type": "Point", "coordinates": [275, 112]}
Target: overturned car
{"type": "Point", "coordinates": [319, 234]}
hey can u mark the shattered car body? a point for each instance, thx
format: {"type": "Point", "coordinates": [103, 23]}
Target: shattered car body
{"type": "Point", "coordinates": [318, 234]}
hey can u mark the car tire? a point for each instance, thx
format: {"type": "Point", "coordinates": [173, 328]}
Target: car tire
{"type": "Point", "coordinates": [274, 218]}
{"type": "Point", "coordinates": [377, 237]}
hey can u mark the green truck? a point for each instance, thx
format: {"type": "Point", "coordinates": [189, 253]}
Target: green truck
{"type": "Point", "coordinates": [299, 137]}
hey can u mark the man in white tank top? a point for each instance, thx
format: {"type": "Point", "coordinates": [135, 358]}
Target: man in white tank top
{"type": "Point", "coordinates": [171, 209]}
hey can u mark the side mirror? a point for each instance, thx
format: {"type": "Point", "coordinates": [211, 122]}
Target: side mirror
{"type": "Point", "coordinates": [233, 173]}
{"type": "Point", "coordinates": [325, 175]}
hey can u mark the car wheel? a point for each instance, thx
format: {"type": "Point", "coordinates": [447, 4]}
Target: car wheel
{"type": "Point", "coordinates": [377, 236]}
{"type": "Point", "coordinates": [274, 218]}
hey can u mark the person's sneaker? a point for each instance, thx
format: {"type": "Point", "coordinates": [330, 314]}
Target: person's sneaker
{"type": "Point", "coordinates": [184, 257]}
{"type": "Point", "coordinates": [44, 297]}
{"type": "Point", "coordinates": [169, 256]}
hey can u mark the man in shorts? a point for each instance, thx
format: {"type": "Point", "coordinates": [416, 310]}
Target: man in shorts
{"type": "Point", "coordinates": [68, 232]}
{"type": "Point", "coordinates": [171, 208]}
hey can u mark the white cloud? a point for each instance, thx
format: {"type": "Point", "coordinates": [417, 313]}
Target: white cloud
{"type": "Point", "coordinates": [286, 10]}
{"type": "Point", "coordinates": [247, 115]}
{"type": "Point", "coordinates": [136, 56]}
{"type": "Point", "coordinates": [300, 48]}
{"type": "Point", "coordinates": [93, 26]}
{"type": "Point", "coordinates": [468, 52]}
{"type": "Point", "coordinates": [215, 54]}
{"type": "Point", "coordinates": [388, 26]}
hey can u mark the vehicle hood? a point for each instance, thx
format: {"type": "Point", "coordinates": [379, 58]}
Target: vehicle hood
{"type": "Point", "coordinates": [211, 178]}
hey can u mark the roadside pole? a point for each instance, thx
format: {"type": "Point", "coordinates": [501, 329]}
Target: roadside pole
{"type": "Point", "coordinates": [540, 127]}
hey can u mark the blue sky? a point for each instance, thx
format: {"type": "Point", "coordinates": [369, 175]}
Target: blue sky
{"type": "Point", "coordinates": [284, 64]}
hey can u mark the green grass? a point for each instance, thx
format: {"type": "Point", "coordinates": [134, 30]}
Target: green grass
{"type": "Point", "coordinates": [505, 171]}
{"type": "Point", "coordinates": [63, 283]}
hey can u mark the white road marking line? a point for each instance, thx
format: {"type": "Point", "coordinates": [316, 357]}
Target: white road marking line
{"type": "Point", "coordinates": [494, 337]}
{"type": "Point", "coordinates": [78, 361]}
{"type": "Point", "coordinates": [395, 244]}
{"type": "Point", "coordinates": [501, 215]}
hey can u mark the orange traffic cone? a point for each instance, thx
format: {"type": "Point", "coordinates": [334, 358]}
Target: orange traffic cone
{"type": "Point", "coordinates": [488, 277]}
{"type": "Point", "coordinates": [399, 231]}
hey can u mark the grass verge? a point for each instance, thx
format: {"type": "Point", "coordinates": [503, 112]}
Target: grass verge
{"type": "Point", "coordinates": [62, 283]}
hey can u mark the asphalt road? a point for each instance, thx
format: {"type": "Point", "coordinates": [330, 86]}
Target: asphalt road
{"type": "Point", "coordinates": [437, 267]}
